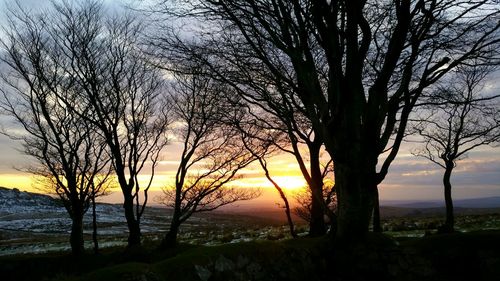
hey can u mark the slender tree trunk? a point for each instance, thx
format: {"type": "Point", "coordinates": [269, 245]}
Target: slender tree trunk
{"type": "Point", "coordinates": [170, 239]}
{"type": "Point", "coordinates": [134, 235]}
{"type": "Point", "coordinates": [291, 226]}
{"type": "Point", "coordinates": [283, 197]}
{"type": "Point", "coordinates": [376, 212]}
{"type": "Point", "coordinates": [317, 226]}
{"type": "Point", "coordinates": [94, 224]}
{"type": "Point", "coordinates": [76, 238]}
{"type": "Point", "coordinates": [450, 220]}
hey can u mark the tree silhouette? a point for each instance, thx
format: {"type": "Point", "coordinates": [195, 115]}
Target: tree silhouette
{"type": "Point", "coordinates": [96, 58]}
{"type": "Point", "coordinates": [277, 113]}
{"type": "Point", "coordinates": [457, 119]}
{"type": "Point", "coordinates": [356, 67]}
{"type": "Point", "coordinates": [212, 151]}
{"type": "Point", "coordinates": [303, 198]}
{"type": "Point", "coordinates": [73, 162]}
{"type": "Point", "coordinates": [264, 142]}
{"type": "Point", "coordinates": [271, 104]}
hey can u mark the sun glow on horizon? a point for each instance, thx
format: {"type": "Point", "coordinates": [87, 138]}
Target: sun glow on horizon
{"type": "Point", "coordinates": [287, 182]}
{"type": "Point", "coordinates": [291, 182]}
{"type": "Point", "coordinates": [28, 182]}
{"type": "Point", "coordinates": [24, 182]}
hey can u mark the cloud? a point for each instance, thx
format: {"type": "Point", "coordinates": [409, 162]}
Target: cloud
{"type": "Point", "coordinates": [11, 157]}
{"type": "Point", "coordinates": [481, 168]}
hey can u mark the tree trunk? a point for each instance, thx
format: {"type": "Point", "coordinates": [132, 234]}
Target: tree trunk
{"type": "Point", "coordinates": [170, 239]}
{"type": "Point", "coordinates": [317, 226]}
{"type": "Point", "coordinates": [283, 197]}
{"type": "Point", "coordinates": [355, 202]}
{"type": "Point", "coordinates": [291, 226]}
{"type": "Point", "coordinates": [76, 237]}
{"type": "Point", "coordinates": [94, 224]}
{"type": "Point", "coordinates": [134, 235]}
{"type": "Point", "coordinates": [450, 220]}
{"type": "Point", "coordinates": [134, 228]}
{"type": "Point", "coordinates": [376, 212]}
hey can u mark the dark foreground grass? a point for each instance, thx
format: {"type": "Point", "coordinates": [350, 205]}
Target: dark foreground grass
{"type": "Point", "coordinates": [460, 256]}
{"type": "Point", "coordinates": [62, 265]}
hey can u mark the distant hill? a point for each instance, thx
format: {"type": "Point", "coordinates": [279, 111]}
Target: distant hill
{"type": "Point", "coordinates": [14, 200]}
{"type": "Point", "coordinates": [485, 202]}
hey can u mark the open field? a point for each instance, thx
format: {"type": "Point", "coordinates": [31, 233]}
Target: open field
{"type": "Point", "coordinates": [243, 245]}
{"type": "Point", "coordinates": [39, 232]}
{"type": "Point", "coordinates": [33, 223]}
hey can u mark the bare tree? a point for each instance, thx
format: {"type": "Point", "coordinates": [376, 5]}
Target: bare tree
{"type": "Point", "coordinates": [303, 198]}
{"type": "Point", "coordinates": [456, 119]}
{"type": "Point", "coordinates": [266, 129]}
{"type": "Point", "coordinates": [281, 192]}
{"type": "Point", "coordinates": [280, 115]}
{"type": "Point", "coordinates": [212, 151]}
{"type": "Point", "coordinates": [357, 68]}
{"type": "Point", "coordinates": [263, 142]}
{"type": "Point", "coordinates": [97, 56]}
{"type": "Point", "coordinates": [273, 108]}
{"type": "Point", "coordinates": [71, 154]}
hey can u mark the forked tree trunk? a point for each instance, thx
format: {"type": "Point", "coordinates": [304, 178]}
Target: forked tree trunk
{"type": "Point", "coordinates": [134, 235]}
{"type": "Point", "coordinates": [134, 228]}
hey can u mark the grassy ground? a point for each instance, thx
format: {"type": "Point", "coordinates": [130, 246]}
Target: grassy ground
{"type": "Point", "coordinates": [460, 256]}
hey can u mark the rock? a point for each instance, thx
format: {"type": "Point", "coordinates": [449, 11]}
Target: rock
{"type": "Point", "coordinates": [393, 269]}
{"type": "Point", "coordinates": [242, 261]}
{"type": "Point", "coordinates": [224, 264]}
{"type": "Point", "coordinates": [403, 263]}
{"type": "Point", "coordinates": [203, 272]}
{"type": "Point", "coordinates": [254, 269]}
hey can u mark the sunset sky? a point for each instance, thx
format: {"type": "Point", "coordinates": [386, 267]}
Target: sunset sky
{"type": "Point", "coordinates": [410, 178]}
